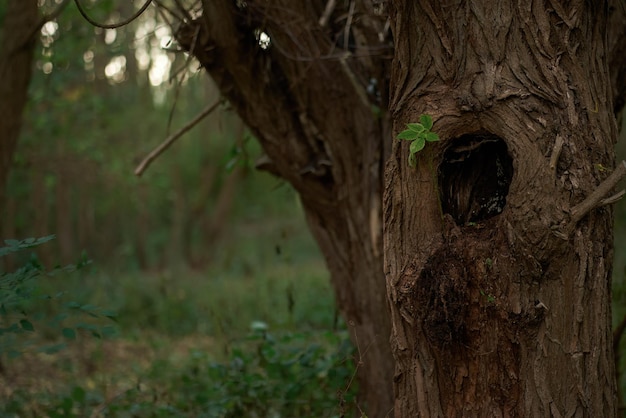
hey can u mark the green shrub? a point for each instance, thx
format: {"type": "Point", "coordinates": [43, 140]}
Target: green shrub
{"type": "Point", "coordinates": [24, 310]}
{"type": "Point", "coordinates": [265, 375]}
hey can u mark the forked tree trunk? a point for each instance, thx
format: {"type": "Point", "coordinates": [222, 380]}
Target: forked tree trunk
{"type": "Point", "coordinates": [498, 254]}
{"type": "Point", "coordinates": [499, 281]}
{"type": "Point", "coordinates": [307, 101]}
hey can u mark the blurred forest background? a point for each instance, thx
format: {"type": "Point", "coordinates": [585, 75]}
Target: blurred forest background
{"type": "Point", "coordinates": [205, 295]}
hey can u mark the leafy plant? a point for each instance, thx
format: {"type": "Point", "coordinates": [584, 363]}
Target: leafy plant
{"type": "Point", "coordinates": [303, 374]}
{"type": "Point", "coordinates": [418, 134]}
{"type": "Point", "coordinates": [288, 374]}
{"type": "Point", "coordinates": [21, 304]}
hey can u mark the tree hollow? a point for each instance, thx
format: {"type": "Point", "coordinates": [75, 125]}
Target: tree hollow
{"type": "Point", "coordinates": [474, 177]}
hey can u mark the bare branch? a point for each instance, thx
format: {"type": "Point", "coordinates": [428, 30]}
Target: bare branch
{"type": "Point", "coordinates": [595, 198]}
{"type": "Point", "coordinates": [113, 25]}
{"type": "Point", "coordinates": [170, 11]}
{"type": "Point", "coordinates": [346, 29]}
{"type": "Point", "coordinates": [328, 10]}
{"type": "Point", "coordinates": [612, 199]}
{"type": "Point", "coordinates": [556, 152]}
{"type": "Point", "coordinates": [183, 10]}
{"type": "Point", "coordinates": [172, 138]}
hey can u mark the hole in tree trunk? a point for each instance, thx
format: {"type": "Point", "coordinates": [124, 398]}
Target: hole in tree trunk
{"type": "Point", "coordinates": [474, 177]}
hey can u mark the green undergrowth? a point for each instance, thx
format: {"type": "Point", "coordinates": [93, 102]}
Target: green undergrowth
{"type": "Point", "coordinates": [300, 374]}
{"type": "Point", "coordinates": [223, 342]}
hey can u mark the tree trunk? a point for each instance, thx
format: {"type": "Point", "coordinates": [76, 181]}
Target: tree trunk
{"type": "Point", "coordinates": [307, 101]}
{"type": "Point", "coordinates": [64, 216]}
{"type": "Point", "coordinates": [497, 252]}
{"type": "Point", "coordinates": [17, 45]}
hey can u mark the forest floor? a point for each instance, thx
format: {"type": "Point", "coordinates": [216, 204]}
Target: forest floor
{"type": "Point", "coordinates": [185, 345]}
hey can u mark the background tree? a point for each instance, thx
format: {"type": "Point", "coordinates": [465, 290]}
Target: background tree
{"type": "Point", "coordinates": [309, 79]}
{"type": "Point", "coordinates": [17, 44]}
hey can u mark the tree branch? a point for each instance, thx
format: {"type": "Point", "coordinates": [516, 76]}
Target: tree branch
{"type": "Point", "coordinates": [172, 138]}
{"type": "Point", "coordinates": [595, 198]}
{"type": "Point", "coordinates": [328, 10]}
{"type": "Point", "coordinates": [112, 25]}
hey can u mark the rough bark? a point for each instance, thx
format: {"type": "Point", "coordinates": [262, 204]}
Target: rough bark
{"type": "Point", "coordinates": [508, 314]}
{"type": "Point", "coordinates": [17, 45]}
{"type": "Point", "coordinates": [307, 101]}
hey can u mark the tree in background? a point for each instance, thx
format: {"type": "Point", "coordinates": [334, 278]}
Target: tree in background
{"type": "Point", "coordinates": [76, 142]}
{"type": "Point", "coordinates": [17, 45]}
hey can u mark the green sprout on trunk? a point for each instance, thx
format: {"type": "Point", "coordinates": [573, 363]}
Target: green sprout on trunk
{"type": "Point", "coordinates": [418, 134]}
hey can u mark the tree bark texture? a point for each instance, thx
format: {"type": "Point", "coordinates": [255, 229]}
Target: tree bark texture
{"type": "Point", "coordinates": [17, 45]}
{"type": "Point", "coordinates": [505, 312]}
{"type": "Point", "coordinates": [315, 100]}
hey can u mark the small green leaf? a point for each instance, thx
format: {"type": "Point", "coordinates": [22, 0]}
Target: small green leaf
{"type": "Point", "coordinates": [432, 137]}
{"type": "Point", "coordinates": [60, 317]}
{"type": "Point", "coordinates": [14, 354]}
{"type": "Point", "coordinates": [417, 127]}
{"type": "Point", "coordinates": [407, 135]}
{"type": "Point", "coordinates": [427, 121]}
{"type": "Point", "coordinates": [69, 333]}
{"type": "Point", "coordinates": [110, 314]}
{"type": "Point", "coordinates": [51, 349]}
{"type": "Point", "coordinates": [412, 160]}
{"type": "Point", "coordinates": [79, 394]}
{"type": "Point", "coordinates": [27, 325]}
{"type": "Point", "coordinates": [417, 145]}
{"type": "Point", "coordinates": [108, 331]}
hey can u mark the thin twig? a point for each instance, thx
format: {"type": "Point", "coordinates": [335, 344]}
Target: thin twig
{"type": "Point", "coordinates": [112, 25]}
{"type": "Point", "coordinates": [346, 29]}
{"type": "Point", "coordinates": [169, 10]}
{"type": "Point", "coordinates": [360, 90]}
{"type": "Point", "coordinates": [612, 199]}
{"type": "Point", "coordinates": [177, 89]}
{"type": "Point", "coordinates": [556, 152]}
{"type": "Point", "coordinates": [328, 10]}
{"type": "Point", "coordinates": [183, 10]}
{"type": "Point", "coordinates": [160, 13]}
{"type": "Point", "coordinates": [180, 81]}
{"type": "Point", "coordinates": [172, 138]}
